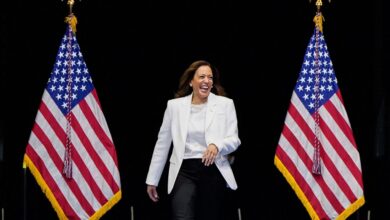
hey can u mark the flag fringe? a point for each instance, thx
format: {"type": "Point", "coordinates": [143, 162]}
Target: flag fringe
{"type": "Point", "coordinates": [115, 199]}
{"type": "Point", "coordinates": [290, 179]}
{"type": "Point", "coordinates": [351, 209]}
{"type": "Point", "coordinates": [45, 188]}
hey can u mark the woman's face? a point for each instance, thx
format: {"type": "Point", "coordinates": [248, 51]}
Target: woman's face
{"type": "Point", "coordinates": [202, 84]}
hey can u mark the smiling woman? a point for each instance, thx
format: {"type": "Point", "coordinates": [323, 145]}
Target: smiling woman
{"type": "Point", "coordinates": [201, 84]}
{"type": "Point", "coordinates": [199, 169]}
{"type": "Point", "coordinates": [199, 70]}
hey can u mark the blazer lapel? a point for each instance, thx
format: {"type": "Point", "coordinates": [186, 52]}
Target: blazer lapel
{"type": "Point", "coordinates": [211, 105]}
{"type": "Point", "coordinates": [185, 110]}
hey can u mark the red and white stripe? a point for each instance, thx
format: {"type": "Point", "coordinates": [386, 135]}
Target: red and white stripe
{"type": "Point", "coordinates": [340, 183]}
{"type": "Point", "coordinates": [95, 168]}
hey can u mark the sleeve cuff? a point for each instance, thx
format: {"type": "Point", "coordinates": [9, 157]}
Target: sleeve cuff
{"type": "Point", "coordinates": [218, 144]}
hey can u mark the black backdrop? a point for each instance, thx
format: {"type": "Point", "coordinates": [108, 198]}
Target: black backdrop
{"type": "Point", "coordinates": [136, 51]}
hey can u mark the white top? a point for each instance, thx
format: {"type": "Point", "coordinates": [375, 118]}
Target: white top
{"type": "Point", "coordinates": [196, 141]}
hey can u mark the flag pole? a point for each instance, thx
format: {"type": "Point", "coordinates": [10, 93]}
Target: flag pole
{"type": "Point", "coordinates": [67, 170]}
{"type": "Point", "coordinates": [24, 191]}
{"type": "Point", "coordinates": [70, 3]}
{"type": "Point", "coordinates": [318, 19]}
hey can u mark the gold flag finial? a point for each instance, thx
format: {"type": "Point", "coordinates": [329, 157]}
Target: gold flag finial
{"type": "Point", "coordinates": [71, 19]}
{"type": "Point", "coordinates": [319, 3]}
{"type": "Point", "coordinates": [70, 3]}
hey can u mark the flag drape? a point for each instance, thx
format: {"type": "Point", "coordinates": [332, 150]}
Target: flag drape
{"type": "Point", "coordinates": [317, 119]}
{"type": "Point", "coordinates": [70, 125]}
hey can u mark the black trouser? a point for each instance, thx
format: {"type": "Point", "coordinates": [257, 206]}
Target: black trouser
{"type": "Point", "coordinates": [198, 192]}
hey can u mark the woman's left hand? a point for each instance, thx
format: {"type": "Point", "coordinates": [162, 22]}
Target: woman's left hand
{"type": "Point", "coordinates": [209, 155]}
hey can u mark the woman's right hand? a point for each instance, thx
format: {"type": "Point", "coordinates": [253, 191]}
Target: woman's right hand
{"type": "Point", "coordinates": [152, 192]}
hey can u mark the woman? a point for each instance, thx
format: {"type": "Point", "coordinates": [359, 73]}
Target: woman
{"type": "Point", "coordinates": [203, 127]}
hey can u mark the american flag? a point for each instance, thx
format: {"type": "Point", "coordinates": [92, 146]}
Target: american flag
{"type": "Point", "coordinates": [317, 131]}
{"type": "Point", "coordinates": [70, 127]}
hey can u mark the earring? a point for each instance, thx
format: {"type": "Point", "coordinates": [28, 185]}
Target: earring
{"type": "Point", "coordinates": [190, 84]}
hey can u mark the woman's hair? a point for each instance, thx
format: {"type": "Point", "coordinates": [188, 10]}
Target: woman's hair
{"type": "Point", "coordinates": [185, 79]}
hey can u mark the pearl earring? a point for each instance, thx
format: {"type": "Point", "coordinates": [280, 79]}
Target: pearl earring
{"type": "Point", "coordinates": [190, 84]}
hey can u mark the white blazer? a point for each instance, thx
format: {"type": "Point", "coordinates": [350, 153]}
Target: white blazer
{"type": "Point", "coordinates": [220, 129]}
